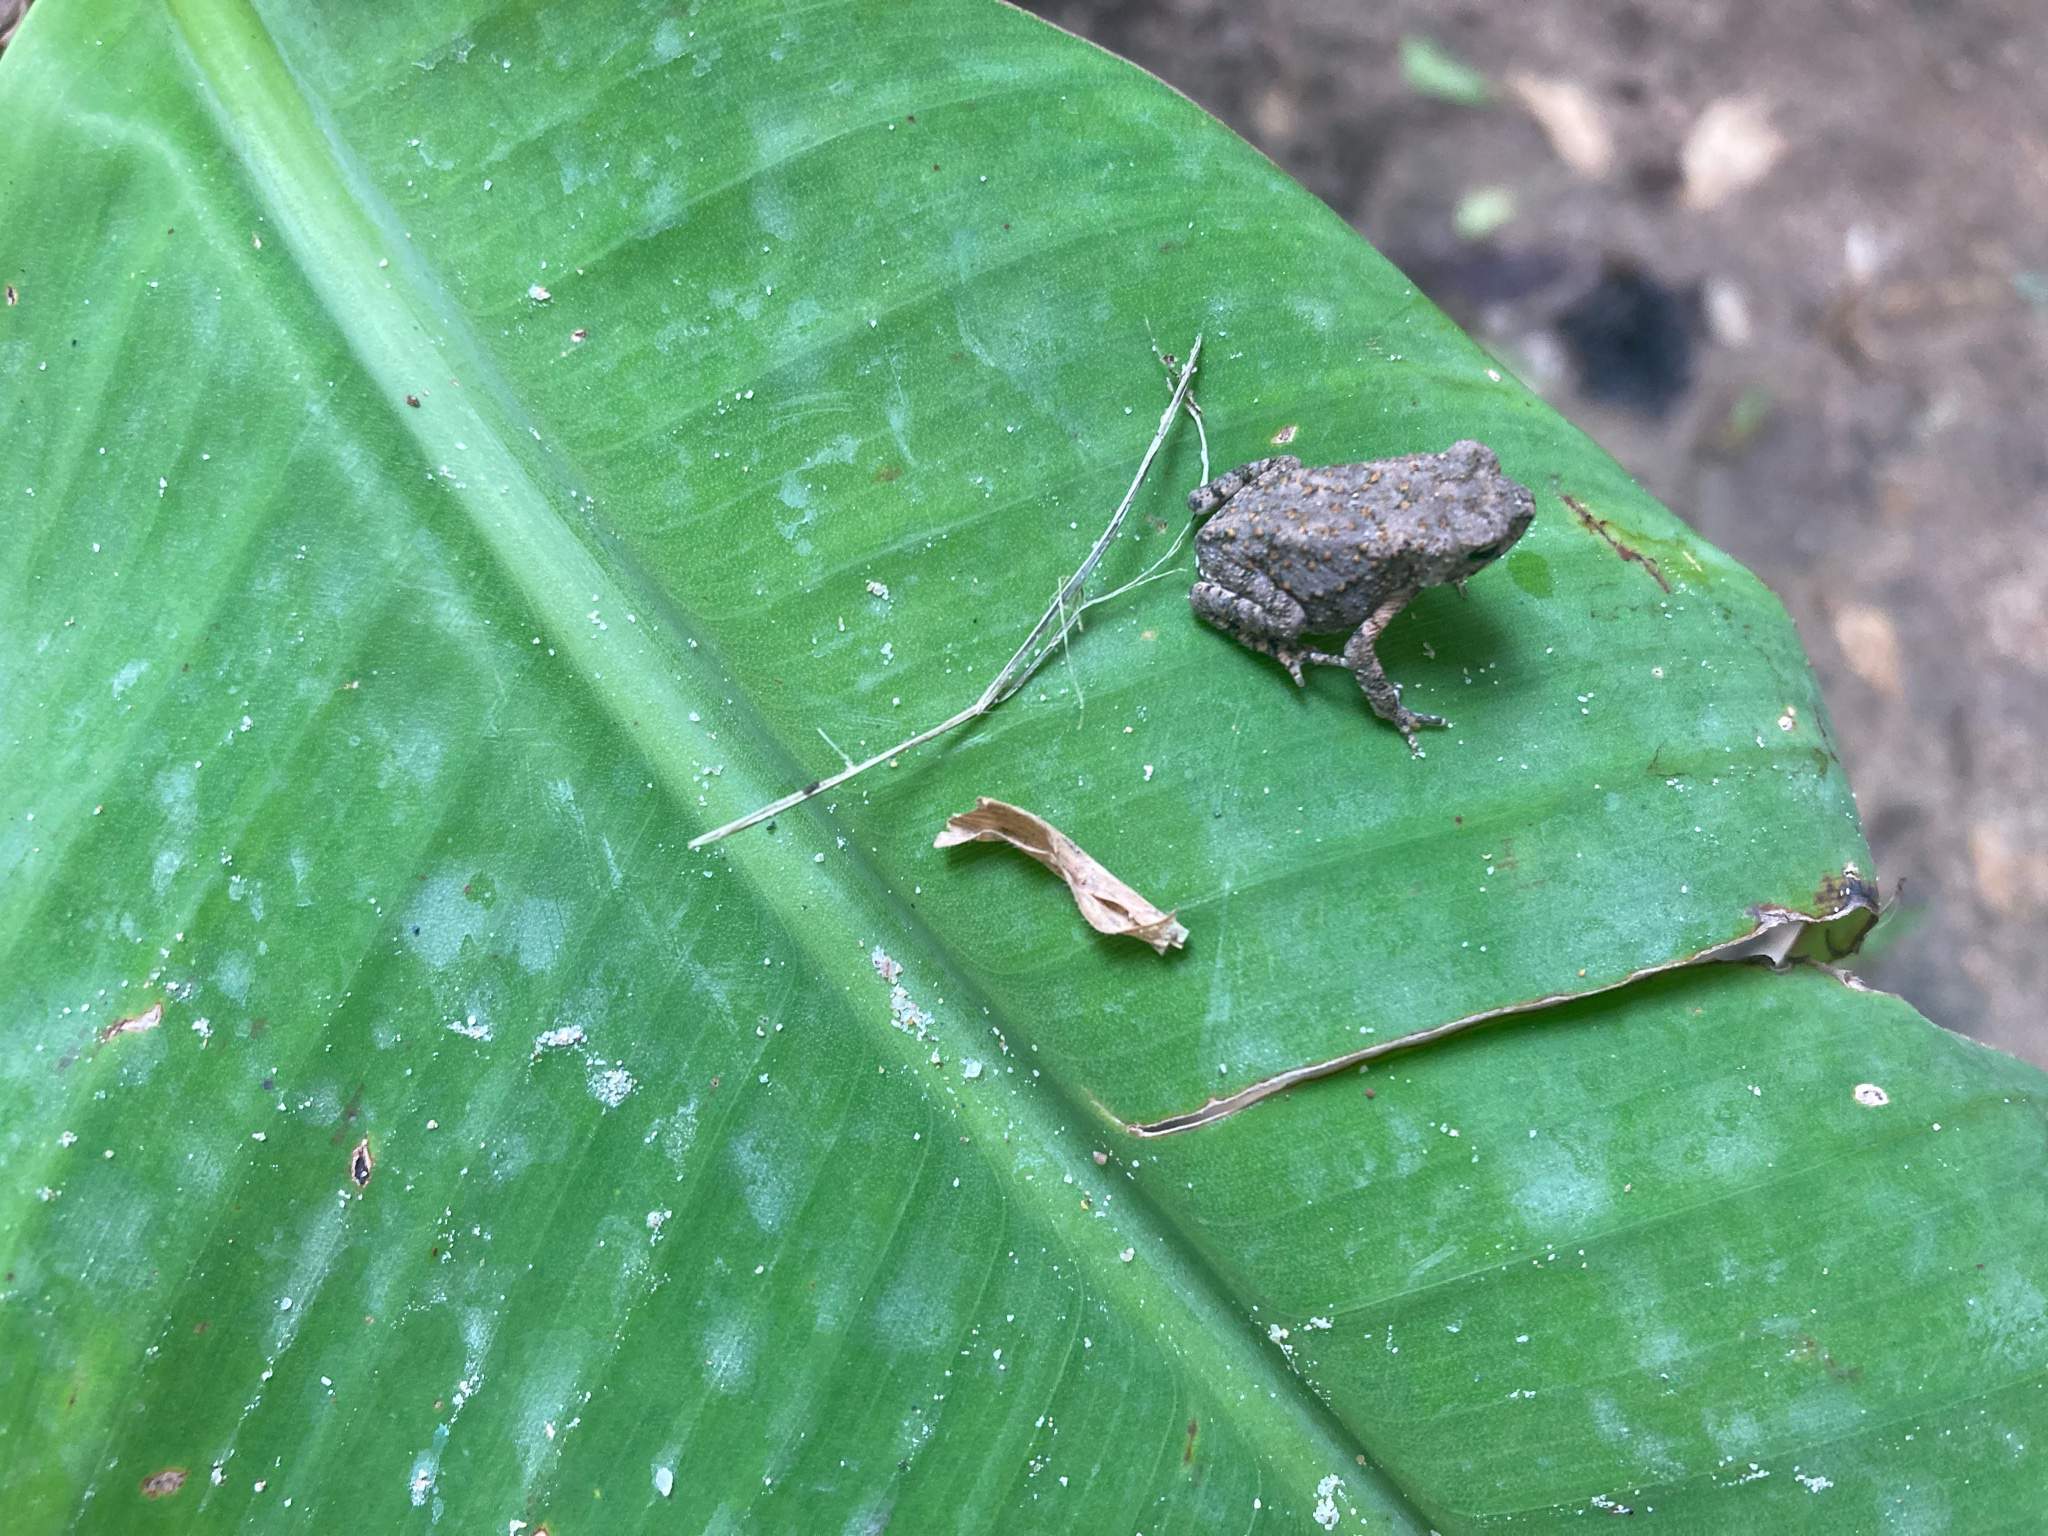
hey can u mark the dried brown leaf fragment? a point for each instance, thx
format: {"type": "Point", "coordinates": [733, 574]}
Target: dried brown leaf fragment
{"type": "Point", "coordinates": [1106, 902]}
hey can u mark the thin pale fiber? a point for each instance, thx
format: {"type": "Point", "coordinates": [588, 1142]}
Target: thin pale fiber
{"type": "Point", "coordinates": [1061, 619]}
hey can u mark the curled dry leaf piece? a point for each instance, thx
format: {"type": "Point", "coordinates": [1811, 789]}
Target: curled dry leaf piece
{"type": "Point", "coordinates": [1106, 902]}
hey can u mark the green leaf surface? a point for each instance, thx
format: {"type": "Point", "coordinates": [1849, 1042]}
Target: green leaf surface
{"type": "Point", "coordinates": [451, 458]}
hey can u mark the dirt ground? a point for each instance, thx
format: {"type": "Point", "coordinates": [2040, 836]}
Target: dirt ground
{"type": "Point", "coordinates": [1788, 261]}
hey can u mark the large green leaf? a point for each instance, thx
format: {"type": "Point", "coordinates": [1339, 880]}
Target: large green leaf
{"type": "Point", "coordinates": [363, 739]}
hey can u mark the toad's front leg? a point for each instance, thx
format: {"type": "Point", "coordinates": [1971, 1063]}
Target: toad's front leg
{"type": "Point", "coordinates": [1205, 499]}
{"type": "Point", "coordinates": [1245, 604]}
{"type": "Point", "coordinates": [1380, 691]}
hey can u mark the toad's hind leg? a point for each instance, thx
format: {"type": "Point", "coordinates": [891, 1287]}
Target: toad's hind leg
{"type": "Point", "coordinates": [1207, 498]}
{"type": "Point", "coordinates": [1254, 612]}
{"type": "Point", "coordinates": [1380, 691]}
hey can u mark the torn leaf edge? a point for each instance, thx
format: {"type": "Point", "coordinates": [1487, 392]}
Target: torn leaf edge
{"type": "Point", "coordinates": [1780, 938]}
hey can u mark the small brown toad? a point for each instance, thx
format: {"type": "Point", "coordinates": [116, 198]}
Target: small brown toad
{"type": "Point", "coordinates": [1293, 552]}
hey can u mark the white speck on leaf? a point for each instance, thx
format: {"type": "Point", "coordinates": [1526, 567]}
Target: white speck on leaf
{"type": "Point", "coordinates": [1325, 1512]}
{"type": "Point", "coordinates": [610, 1085]}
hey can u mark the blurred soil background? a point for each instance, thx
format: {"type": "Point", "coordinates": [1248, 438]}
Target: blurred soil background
{"type": "Point", "coordinates": [1788, 261]}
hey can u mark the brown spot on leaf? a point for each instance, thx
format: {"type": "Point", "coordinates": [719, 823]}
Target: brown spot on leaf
{"type": "Point", "coordinates": [413, 401]}
{"type": "Point", "coordinates": [1188, 1455]}
{"type": "Point", "coordinates": [1657, 768]}
{"type": "Point", "coordinates": [362, 1163]}
{"type": "Point", "coordinates": [135, 1024]}
{"type": "Point", "coordinates": [1605, 530]}
{"type": "Point", "coordinates": [13, 298]}
{"type": "Point", "coordinates": [1811, 1349]}
{"type": "Point", "coordinates": [887, 473]}
{"type": "Point", "coordinates": [161, 1485]}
